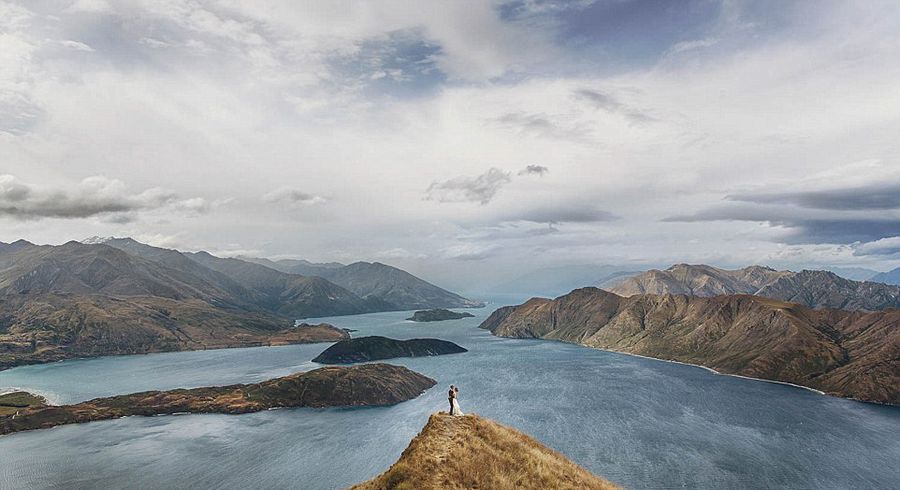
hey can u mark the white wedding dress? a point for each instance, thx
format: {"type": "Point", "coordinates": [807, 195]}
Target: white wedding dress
{"type": "Point", "coordinates": [456, 410]}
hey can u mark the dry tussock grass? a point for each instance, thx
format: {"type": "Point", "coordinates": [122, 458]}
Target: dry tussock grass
{"type": "Point", "coordinates": [475, 453]}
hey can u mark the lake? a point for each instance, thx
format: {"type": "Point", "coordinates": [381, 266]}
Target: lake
{"type": "Point", "coordinates": [639, 422]}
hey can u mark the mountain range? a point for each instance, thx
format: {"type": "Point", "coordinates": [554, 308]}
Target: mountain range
{"type": "Point", "coordinates": [120, 296]}
{"type": "Point", "coordinates": [375, 281]}
{"type": "Point", "coordinates": [815, 289]}
{"type": "Point", "coordinates": [850, 354]}
{"type": "Point", "coordinates": [889, 277]}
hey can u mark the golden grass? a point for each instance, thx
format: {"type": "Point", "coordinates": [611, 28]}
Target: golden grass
{"type": "Point", "coordinates": [475, 453]}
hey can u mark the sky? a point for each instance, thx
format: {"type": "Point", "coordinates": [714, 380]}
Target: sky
{"type": "Point", "coordinates": [464, 141]}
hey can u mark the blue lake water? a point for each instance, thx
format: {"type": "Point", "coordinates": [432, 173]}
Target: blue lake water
{"type": "Point", "coordinates": [639, 422]}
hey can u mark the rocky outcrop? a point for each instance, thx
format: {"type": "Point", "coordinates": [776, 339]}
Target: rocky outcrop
{"type": "Point", "coordinates": [474, 452]}
{"type": "Point", "coordinates": [438, 315]}
{"type": "Point", "coordinates": [849, 354]}
{"type": "Point", "coordinates": [357, 386]}
{"type": "Point", "coordinates": [376, 348]}
{"type": "Point", "coordinates": [816, 289]}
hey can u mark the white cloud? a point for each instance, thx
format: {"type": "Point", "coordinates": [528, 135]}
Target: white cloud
{"type": "Point", "coordinates": [292, 196]}
{"type": "Point", "coordinates": [481, 188]}
{"type": "Point", "coordinates": [199, 100]}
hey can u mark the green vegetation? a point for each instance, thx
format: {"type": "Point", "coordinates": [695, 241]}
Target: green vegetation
{"type": "Point", "coordinates": [10, 403]}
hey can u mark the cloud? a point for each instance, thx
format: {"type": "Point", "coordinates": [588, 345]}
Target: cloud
{"type": "Point", "coordinates": [691, 45]}
{"type": "Point", "coordinates": [804, 226]}
{"type": "Point", "coordinates": [399, 253]}
{"type": "Point", "coordinates": [542, 125]}
{"type": "Point", "coordinates": [93, 196]}
{"type": "Point", "coordinates": [480, 189]}
{"type": "Point", "coordinates": [292, 196]}
{"type": "Point", "coordinates": [886, 246]}
{"type": "Point", "coordinates": [875, 196]}
{"type": "Point", "coordinates": [76, 45]}
{"type": "Point", "coordinates": [560, 212]}
{"type": "Point", "coordinates": [469, 251]}
{"type": "Point", "coordinates": [612, 105]}
{"type": "Point", "coordinates": [539, 170]}
{"type": "Point", "coordinates": [815, 210]}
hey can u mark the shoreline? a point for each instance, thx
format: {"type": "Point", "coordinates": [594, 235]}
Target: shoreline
{"type": "Point", "coordinates": [50, 400]}
{"type": "Point", "coordinates": [706, 368]}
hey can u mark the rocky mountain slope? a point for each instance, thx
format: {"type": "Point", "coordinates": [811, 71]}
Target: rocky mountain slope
{"type": "Point", "coordinates": [473, 452]}
{"type": "Point", "coordinates": [816, 289]}
{"type": "Point", "coordinates": [377, 281]}
{"type": "Point", "coordinates": [367, 385]}
{"type": "Point", "coordinates": [289, 295]}
{"type": "Point", "coordinates": [55, 326]}
{"type": "Point", "coordinates": [376, 348]}
{"type": "Point", "coordinates": [850, 354]}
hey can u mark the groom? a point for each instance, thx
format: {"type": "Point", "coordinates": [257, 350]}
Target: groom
{"type": "Point", "coordinates": [450, 396]}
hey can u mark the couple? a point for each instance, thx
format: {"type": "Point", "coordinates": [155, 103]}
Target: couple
{"type": "Point", "coordinates": [454, 405]}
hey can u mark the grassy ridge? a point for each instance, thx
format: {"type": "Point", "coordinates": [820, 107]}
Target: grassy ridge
{"type": "Point", "coordinates": [473, 452]}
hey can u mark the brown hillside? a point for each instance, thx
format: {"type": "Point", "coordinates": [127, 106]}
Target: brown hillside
{"type": "Point", "coordinates": [850, 354]}
{"type": "Point", "coordinates": [473, 452]}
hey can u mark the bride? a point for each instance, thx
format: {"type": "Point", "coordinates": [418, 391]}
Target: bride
{"type": "Point", "coordinates": [454, 404]}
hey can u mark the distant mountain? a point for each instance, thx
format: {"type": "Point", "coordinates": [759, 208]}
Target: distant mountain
{"type": "Point", "coordinates": [889, 277]}
{"type": "Point", "coordinates": [377, 281]}
{"type": "Point", "coordinates": [291, 294]}
{"type": "Point", "coordinates": [287, 295]}
{"type": "Point", "coordinates": [816, 289]}
{"type": "Point", "coordinates": [848, 354]}
{"type": "Point", "coordinates": [124, 297]}
{"type": "Point", "coordinates": [76, 268]}
{"type": "Point", "coordinates": [553, 281]}
{"type": "Point", "coordinates": [854, 273]}
{"type": "Point", "coordinates": [296, 266]}
{"type": "Point", "coordinates": [473, 452]}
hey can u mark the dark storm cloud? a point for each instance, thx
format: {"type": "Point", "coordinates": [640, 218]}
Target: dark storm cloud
{"type": "Point", "coordinates": [608, 103]}
{"type": "Point", "coordinates": [805, 226]}
{"type": "Point", "coordinates": [480, 189]}
{"type": "Point", "coordinates": [876, 196]}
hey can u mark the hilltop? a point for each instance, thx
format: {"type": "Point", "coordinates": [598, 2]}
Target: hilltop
{"type": "Point", "coordinates": [816, 289]}
{"type": "Point", "coordinates": [474, 452]}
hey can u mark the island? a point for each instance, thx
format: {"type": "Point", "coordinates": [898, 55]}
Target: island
{"type": "Point", "coordinates": [357, 386]}
{"type": "Point", "coordinates": [474, 452]}
{"type": "Point", "coordinates": [438, 315]}
{"type": "Point", "coordinates": [375, 348]}
{"type": "Point", "coordinates": [16, 401]}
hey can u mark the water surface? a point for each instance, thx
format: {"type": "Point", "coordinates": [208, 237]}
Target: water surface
{"type": "Point", "coordinates": [639, 422]}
